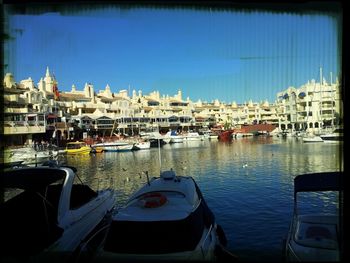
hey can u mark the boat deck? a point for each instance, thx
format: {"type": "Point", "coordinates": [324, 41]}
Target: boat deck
{"type": "Point", "coordinates": [175, 207]}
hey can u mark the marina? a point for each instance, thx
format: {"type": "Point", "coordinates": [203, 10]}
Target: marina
{"type": "Point", "coordinates": [188, 134]}
{"type": "Point", "coordinates": [247, 182]}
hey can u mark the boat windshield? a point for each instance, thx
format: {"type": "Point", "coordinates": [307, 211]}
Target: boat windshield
{"type": "Point", "coordinates": [318, 235]}
{"type": "Point", "coordinates": [156, 237]}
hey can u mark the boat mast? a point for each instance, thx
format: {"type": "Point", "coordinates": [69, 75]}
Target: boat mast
{"type": "Point", "coordinates": [132, 118]}
{"type": "Point", "coordinates": [321, 81]}
{"type": "Point", "coordinates": [333, 100]}
{"type": "Point", "coordinates": [113, 127]}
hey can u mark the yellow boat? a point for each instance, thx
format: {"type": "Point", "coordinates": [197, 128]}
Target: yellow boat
{"type": "Point", "coordinates": [77, 148]}
{"type": "Point", "coordinates": [97, 149]}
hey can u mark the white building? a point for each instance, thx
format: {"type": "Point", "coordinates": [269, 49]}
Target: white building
{"type": "Point", "coordinates": [311, 107]}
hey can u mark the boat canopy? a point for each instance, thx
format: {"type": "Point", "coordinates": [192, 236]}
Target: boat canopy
{"type": "Point", "coordinates": [327, 181]}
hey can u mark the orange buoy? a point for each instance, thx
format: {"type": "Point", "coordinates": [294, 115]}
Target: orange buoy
{"type": "Point", "coordinates": [153, 200]}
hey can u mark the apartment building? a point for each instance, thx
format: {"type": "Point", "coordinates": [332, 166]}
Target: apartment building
{"type": "Point", "coordinates": [24, 111]}
{"type": "Point", "coordinates": [33, 112]}
{"type": "Point", "coordinates": [312, 107]}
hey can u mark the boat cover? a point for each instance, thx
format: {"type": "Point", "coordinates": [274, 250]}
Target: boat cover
{"type": "Point", "coordinates": [156, 237]}
{"type": "Point", "coordinates": [160, 237]}
{"type": "Point", "coordinates": [327, 181]}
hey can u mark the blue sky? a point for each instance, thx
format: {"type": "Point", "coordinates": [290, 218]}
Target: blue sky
{"type": "Point", "coordinates": [225, 55]}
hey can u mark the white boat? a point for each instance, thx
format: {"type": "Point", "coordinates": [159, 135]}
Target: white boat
{"type": "Point", "coordinates": [47, 213]}
{"type": "Point", "coordinates": [337, 135]}
{"type": "Point", "coordinates": [142, 145]}
{"type": "Point", "coordinates": [174, 137]}
{"type": "Point", "coordinates": [167, 219]}
{"type": "Point", "coordinates": [116, 146]}
{"type": "Point", "coordinates": [213, 135]}
{"type": "Point", "coordinates": [312, 138]}
{"type": "Point", "coordinates": [154, 136]}
{"type": "Point", "coordinates": [314, 237]}
{"type": "Point", "coordinates": [28, 155]}
{"type": "Point", "coordinates": [192, 136]}
{"type": "Point", "coordinates": [206, 134]}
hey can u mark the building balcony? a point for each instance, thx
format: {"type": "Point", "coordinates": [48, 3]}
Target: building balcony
{"type": "Point", "coordinates": [16, 110]}
{"type": "Point", "coordinates": [23, 127]}
{"type": "Point", "coordinates": [327, 116]}
{"type": "Point", "coordinates": [62, 103]}
{"type": "Point", "coordinates": [327, 106]}
{"type": "Point", "coordinates": [11, 98]}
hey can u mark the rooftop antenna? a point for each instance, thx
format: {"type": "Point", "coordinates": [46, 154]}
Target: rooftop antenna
{"type": "Point", "coordinates": [321, 83]}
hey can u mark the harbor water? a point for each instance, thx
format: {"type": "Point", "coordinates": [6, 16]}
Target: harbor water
{"type": "Point", "coordinates": [248, 182]}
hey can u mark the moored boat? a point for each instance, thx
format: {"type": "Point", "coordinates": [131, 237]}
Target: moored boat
{"type": "Point", "coordinates": [115, 146]}
{"type": "Point", "coordinates": [213, 136]}
{"type": "Point", "coordinates": [337, 135]}
{"type": "Point", "coordinates": [27, 155]}
{"type": "Point", "coordinates": [166, 219]}
{"type": "Point", "coordinates": [314, 237]}
{"type": "Point", "coordinates": [73, 148]}
{"type": "Point", "coordinates": [175, 137]}
{"type": "Point", "coordinates": [47, 213]}
{"type": "Point", "coordinates": [310, 137]}
{"type": "Point", "coordinates": [192, 136]}
{"type": "Point", "coordinates": [96, 149]}
{"type": "Point", "coordinates": [225, 135]}
{"type": "Point", "coordinates": [142, 145]}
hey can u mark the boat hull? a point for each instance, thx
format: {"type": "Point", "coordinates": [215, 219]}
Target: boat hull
{"type": "Point", "coordinates": [312, 139]}
{"type": "Point", "coordinates": [118, 148]}
{"type": "Point", "coordinates": [83, 150]}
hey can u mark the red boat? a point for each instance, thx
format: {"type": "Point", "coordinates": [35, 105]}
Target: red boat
{"type": "Point", "coordinates": [250, 128]}
{"type": "Point", "coordinates": [225, 135]}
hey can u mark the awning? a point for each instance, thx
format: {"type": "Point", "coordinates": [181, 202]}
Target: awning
{"type": "Point", "coordinates": [51, 116]}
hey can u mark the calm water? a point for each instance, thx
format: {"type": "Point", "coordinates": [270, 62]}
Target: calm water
{"type": "Point", "coordinates": [248, 183]}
